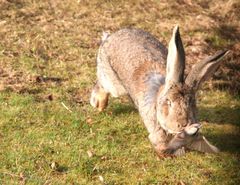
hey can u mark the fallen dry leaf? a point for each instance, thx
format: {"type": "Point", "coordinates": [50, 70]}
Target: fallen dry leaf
{"type": "Point", "coordinates": [101, 178]}
{"type": "Point", "coordinates": [89, 121]}
{"type": "Point", "coordinates": [54, 165]}
{"type": "Point", "coordinates": [90, 153]}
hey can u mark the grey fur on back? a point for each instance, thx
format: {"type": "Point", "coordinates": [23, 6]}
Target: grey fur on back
{"type": "Point", "coordinates": [134, 54]}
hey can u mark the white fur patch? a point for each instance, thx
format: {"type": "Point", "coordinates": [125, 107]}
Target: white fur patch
{"type": "Point", "coordinates": [105, 35]}
{"type": "Point", "coordinates": [153, 82]}
{"type": "Point", "coordinates": [92, 99]}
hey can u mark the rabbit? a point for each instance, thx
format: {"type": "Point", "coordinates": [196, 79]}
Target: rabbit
{"type": "Point", "coordinates": [133, 62]}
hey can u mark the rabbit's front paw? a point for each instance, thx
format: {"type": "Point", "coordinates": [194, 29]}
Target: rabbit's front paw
{"type": "Point", "coordinates": [163, 151]}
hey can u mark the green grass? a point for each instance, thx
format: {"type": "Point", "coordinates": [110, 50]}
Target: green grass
{"type": "Point", "coordinates": [34, 135]}
{"type": "Point", "coordinates": [47, 59]}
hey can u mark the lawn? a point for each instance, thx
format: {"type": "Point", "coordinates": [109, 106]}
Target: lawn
{"type": "Point", "coordinates": [49, 134]}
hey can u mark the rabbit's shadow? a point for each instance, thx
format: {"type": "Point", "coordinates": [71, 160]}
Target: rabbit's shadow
{"type": "Point", "coordinates": [220, 114]}
{"type": "Point", "coordinates": [123, 108]}
{"type": "Point", "coordinates": [225, 140]}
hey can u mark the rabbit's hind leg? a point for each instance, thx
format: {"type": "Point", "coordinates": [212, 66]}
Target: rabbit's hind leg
{"type": "Point", "coordinates": [107, 83]}
{"type": "Point", "coordinates": [99, 97]}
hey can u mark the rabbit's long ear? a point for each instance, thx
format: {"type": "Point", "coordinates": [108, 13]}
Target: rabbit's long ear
{"type": "Point", "coordinates": [201, 144]}
{"type": "Point", "coordinates": [175, 59]}
{"type": "Point", "coordinates": [204, 70]}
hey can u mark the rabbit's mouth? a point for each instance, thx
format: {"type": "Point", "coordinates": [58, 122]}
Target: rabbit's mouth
{"type": "Point", "coordinates": [190, 129]}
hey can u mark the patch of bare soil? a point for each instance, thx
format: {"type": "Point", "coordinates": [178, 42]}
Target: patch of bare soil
{"type": "Point", "coordinates": [13, 80]}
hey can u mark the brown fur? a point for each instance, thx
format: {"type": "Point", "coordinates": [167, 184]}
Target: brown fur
{"type": "Point", "coordinates": [133, 61]}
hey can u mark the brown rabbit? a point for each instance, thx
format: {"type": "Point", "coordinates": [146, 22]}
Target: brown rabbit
{"type": "Point", "coordinates": [133, 62]}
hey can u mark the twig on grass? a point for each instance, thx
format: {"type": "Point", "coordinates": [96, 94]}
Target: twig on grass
{"type": "Point", "coordinates": [21, 176]}
{"type": "Point", "coordinates": [65, 107]}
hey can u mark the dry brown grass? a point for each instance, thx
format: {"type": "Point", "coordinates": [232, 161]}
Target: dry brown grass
{"type": "Point", "coordinates": [65, 35]}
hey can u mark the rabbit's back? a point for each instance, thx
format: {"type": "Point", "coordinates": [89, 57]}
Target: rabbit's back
{"type": "Point", "coordinates": [127, 49]}
{"type": "Point", "coordinates": [132, 54]}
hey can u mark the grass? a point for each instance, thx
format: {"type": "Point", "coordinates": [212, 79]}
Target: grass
{"type": "Point", "coordinates": [47, 59]}
{"type": "Point", "coordinates": [35, 135]}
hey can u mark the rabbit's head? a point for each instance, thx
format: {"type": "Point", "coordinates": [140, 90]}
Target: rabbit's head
{"type": "Point", "coordinates": [176, 104]}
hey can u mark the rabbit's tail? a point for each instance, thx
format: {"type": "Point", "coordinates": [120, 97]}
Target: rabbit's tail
{"type": "Point", "coordinates": [105, 35]}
